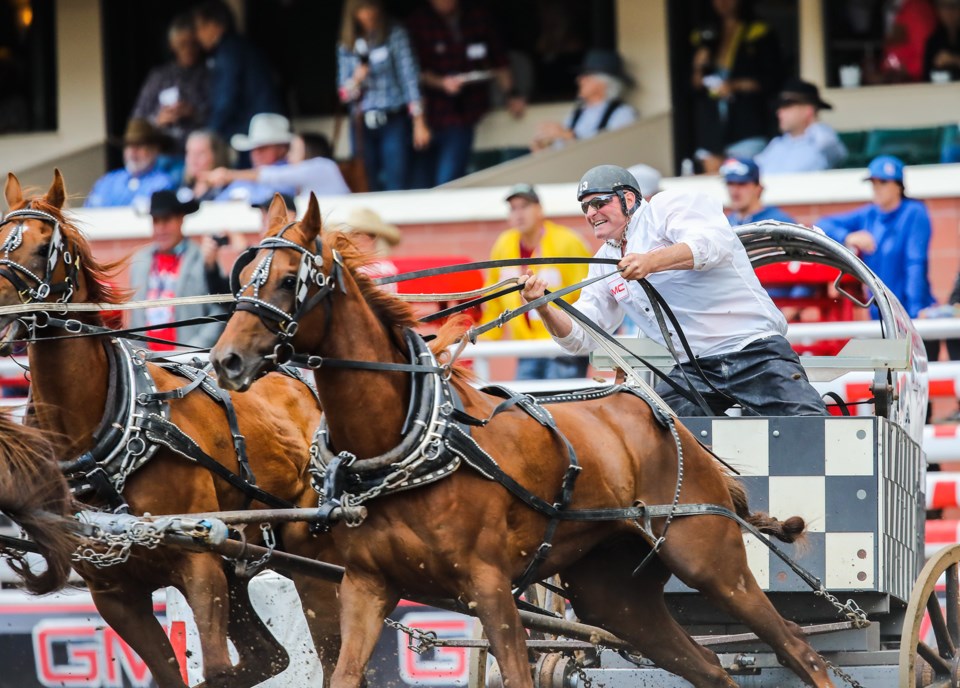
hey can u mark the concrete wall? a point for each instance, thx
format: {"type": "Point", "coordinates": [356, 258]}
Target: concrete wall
{"type": "Point", "coordinates": [77, 144]}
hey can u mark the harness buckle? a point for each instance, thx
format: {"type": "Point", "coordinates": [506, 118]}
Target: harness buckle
{"type": "Point", "coordinates": [314, 362]}
{"type": "Point", "coordinates": [42, 291]}
{"type": "Point", "coordinates": [289, 328]}
{"type": "Point", "coordinates": [73, 326]}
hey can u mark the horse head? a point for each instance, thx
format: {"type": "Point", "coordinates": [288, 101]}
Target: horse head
{"type": "Point", "coordinates": [36, 262]}
{"type": "Point", "coordinates": [278, 285]}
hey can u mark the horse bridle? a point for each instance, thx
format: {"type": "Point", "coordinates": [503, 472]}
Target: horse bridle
{"type": "Point", "coordinates": [310, 274]}
{"type": "Point", "coordinates": [15, 272]}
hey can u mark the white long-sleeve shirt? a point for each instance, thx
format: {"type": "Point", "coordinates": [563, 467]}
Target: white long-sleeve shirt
{"type": "Point", "coordinates": [719, 304]}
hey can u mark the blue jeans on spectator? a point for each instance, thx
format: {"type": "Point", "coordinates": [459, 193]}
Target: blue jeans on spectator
{"type": "Point", "coordinates": [559, 368]}
{"type": "Point", "coordinates": [386, 153]}
{"type": "Point", "coordinates": [765, 375]}
{"type": "Point", "coordinates": [445, 159]}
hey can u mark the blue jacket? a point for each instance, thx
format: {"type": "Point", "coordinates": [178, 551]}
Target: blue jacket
{"type": "Point", "coordinates": [119, 187]}
{"type": "Point", "coordinates": [240, 86]}
{"type": "Point", "coordinates": [901, 260]}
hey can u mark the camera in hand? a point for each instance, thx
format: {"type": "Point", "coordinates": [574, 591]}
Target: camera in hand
{"type": "Point", "coordinates": [221, 239]}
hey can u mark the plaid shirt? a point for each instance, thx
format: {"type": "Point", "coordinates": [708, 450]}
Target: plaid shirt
{"type": "Point", "coordinates": [443, 51]}
{"type": "Point", "coordinates": [394, 77]}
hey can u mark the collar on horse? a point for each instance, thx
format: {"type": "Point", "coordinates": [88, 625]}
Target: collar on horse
{"type": "Point", "coordinates": [15, 272]}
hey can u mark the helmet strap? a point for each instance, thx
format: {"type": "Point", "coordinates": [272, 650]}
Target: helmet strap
{"type": "Point", "coordinates": [623, 203]}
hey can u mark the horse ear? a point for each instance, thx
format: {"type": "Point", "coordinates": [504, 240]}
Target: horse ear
{"type": "Point", "coordinates": [56, 194]}
{"type": "Point", "coordinates": [311, 221]}
{"type": "Point", "coordinates": [13, 192]}
{"type": "Point", "coordinates": [277, 212]}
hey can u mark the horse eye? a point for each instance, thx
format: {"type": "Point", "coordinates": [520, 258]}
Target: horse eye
{"type": "Point", "coordinates": [288, 283]}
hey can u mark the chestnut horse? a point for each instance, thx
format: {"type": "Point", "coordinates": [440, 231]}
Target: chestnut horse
{"type": "Point", "coordinates": [69, 384]}
{"type": "Point", "coordinates": [35, 495]}
{"type": "Point", "coordinates": [465, 536]}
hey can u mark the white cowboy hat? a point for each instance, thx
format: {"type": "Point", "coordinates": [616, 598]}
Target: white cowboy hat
{"type": "Point", "coordinates": [366, 221]}
{"type": "Point", "coordinates": [266, 129]}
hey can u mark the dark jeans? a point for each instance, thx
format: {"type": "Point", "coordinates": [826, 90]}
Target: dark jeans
{"type": "Point", "coordinates": [445, 159]}
{"type": "Point", "coordinates": [559, 368]}
{"type": "Point", "coordinates": [765, 376]}
{"type": "Point", "coordinates": [386, 153]}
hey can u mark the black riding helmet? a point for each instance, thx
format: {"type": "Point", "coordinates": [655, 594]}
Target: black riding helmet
{"type": "Point", "coordinates": [610, 179]}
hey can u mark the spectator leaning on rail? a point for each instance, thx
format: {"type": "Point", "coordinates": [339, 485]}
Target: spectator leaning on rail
{"type": "Point", "coordinates": [307, 166]}
{"type": "Point", "coordinates": [891, 235]}
{"type": "Point", "coordinates": [139, 177]}
{"type": "Point", "coordinates": [268, 143]}
{"type": "Point", "coordinates": [805, 144]}
{"type": "Point", "coordinates": [532, 236]}
{"type": "Point", "coordinates": [682, 243]}
{"type": "Point", "coordinates": [174, 266]}
{"type": "Point", "coordinates": [599, 108]}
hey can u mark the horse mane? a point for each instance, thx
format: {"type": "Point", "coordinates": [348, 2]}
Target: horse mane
{"type": "Point", "coordinates": [393, 313]}
{"type": "Point", "coordinates": [98, 276]}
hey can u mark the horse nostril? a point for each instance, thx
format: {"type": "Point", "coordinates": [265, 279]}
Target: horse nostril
{"type": "Point", "coordinates": [231, 364]}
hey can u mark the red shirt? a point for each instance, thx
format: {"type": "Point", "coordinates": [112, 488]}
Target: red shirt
{"type": "Point", "coordinates": [162, 284]}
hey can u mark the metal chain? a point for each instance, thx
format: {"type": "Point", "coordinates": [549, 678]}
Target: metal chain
{"type": "Point", "coordinates": [854, 683]}
{"type": "Point", "coordinates": [851, 610]}
{"type": "Point", "coordinates": [420, 641]}
{"type": "Point", "coordinates": [104, 549]}
{"type": "Point", "coordinates": [585, 681]}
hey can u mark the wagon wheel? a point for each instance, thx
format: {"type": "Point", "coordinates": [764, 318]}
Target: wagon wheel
{"type": "Point", "coordinates": [923, 664]}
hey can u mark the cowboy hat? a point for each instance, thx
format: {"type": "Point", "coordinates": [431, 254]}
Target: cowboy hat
{"type": "Point", "coordinates": [140, 132]}
{"type": "Point", "coordinates": [609, 62]}
{"type": "Point", "coordinates": [266, 129]}
{"type": "Point", "coordinates": [366, 221]}
{"type": "Point", "coordinates": [167, 203]}
{"type": "Point", "coordinates": [797, 92]}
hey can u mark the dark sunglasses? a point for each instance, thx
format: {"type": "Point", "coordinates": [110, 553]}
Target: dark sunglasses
{"type": "Point", "coordinates": [596, 202]}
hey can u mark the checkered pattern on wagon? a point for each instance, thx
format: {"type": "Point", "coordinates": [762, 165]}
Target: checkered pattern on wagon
{"type": "Point", "coordinates": [857, 482]}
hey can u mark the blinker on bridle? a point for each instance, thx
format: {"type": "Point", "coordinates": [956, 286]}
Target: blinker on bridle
{"type": "Point", "coordinates": [14, 271]}
{"type": "Point", "coordinates": [309, 275]}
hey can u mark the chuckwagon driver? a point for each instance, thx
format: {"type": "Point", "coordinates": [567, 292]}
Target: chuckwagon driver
{"type": "Point", "coordinates": [683, 245]}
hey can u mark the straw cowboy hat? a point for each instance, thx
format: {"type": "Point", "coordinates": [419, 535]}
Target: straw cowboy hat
{"type": "Point", "coordinates": [266, 129]}
{"type": "Point", "coordinates": [366, 221]}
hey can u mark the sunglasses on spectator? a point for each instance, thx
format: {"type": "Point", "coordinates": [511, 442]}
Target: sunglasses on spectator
{"type": "Point", "coordinates": [596, 202]}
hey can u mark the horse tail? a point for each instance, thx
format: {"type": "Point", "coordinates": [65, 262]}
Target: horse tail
{"type": "Point", "coordinates": [791, 530]}
{"type": "Point", "coordinates": [34, 494]}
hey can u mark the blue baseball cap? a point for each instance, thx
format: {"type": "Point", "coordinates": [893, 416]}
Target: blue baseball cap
{"type": "Point", "coordinates": [740, 171]}
{"type": "Point", "coordinates": [886, 168]}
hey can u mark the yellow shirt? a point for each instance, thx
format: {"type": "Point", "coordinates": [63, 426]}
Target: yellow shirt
{"type": "Point", "coordinates": [558, 242]}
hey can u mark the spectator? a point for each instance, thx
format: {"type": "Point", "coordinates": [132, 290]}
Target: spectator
{"type": "Point", "coordinates": [742, 177]}
{"type": "Point", "coordinates": [906, 40]}
{"type": "Point", "coordinates": [317, 173]}
{"type": "Point", "coordinates": [736, 73]}
{"type": "Point", "coordinates": [648, 178]}
{"type": "Point", "coordinates": [942, 51]}
{"type": "Point", "coordinates": [374, 238]}
{"type": "Point", "coordinates": [268, 143]}
{"type": "Point", "coordinates": [599, 107]}
{"type": "Point", "coordinates": [206, 151]}
{"type": "Point", "coordinates": [140, 175]}
{"type": "Point", "coordinates": [533, 236]}
{"type": "Point", "coordinates": [805, 144]}
{"type": "Point", "coordinates": [173, 266]}
{"type": "Point", "coordinates": [174, 96]}
{"type": "Point", "coordinates": [459, 52]}
{"type": "Point", "coordinates": [240, 81]}
{"type": "Point", "coordinates": [377, 73]}
{"type": "Point", "coordinates": [891, 235]}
